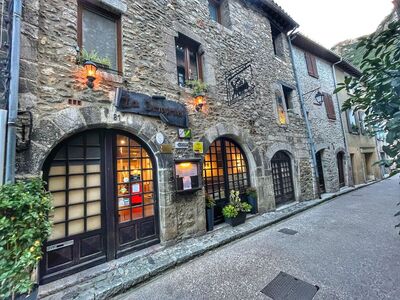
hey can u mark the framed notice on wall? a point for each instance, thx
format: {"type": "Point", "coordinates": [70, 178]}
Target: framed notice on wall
{"type": "Point", "coordinates": [187, 175]}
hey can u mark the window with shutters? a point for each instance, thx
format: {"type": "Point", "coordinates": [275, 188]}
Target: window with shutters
{"type": "Point", "coordinates": [188, 60]}
{"type": "Point", "coordinates": [329, 106]}
{"type": "Point", "coordinates": [100, 31]}
{"type": "Point", "coordinates": [311, 65]}
{"type": "Point", "coordinates": [352, 122]}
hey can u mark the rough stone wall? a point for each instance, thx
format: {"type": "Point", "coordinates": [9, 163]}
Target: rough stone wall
{"type": "Point", "coordinates": [358, 144]}
{"type": "Point", "coordinates": [50, 77]}
{"type": "Point", "coordinates": [327, 134]}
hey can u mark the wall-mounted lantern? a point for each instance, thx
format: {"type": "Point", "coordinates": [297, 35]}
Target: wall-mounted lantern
{"type": "Point", "coordinates": [319, 98]}
{"type": "Point", "coordinates": [199, 102]}
{"type": "Point", "coordinates": [90, 68]}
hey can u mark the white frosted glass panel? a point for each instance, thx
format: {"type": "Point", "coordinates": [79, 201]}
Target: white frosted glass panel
{"type": "Point", "coordinates": [92, 168]}
{"type": "Point", "coordinates": [59, 215]}
{"type": "Point", "coordinates": [76, 196]}
{"type": "Point", "coordinates": [58, 198]}
{"type": "Point", "coordinates": [75, 227]}
{"type": "Point", "coordinates": [57, 232]}
{"type": "Point", "coordinates": [75, 169]}
{"type": "Point", "coordinates": [93, 223]}
{"type": "Point", "coordinates": [75, 211]}
{"type": "Point", "coordinates": [93, 208]}
{"type": "Point", "coordinates": [93, 194]}
{"type": "Point", "coordinates": [56, 183]}
{"type": "Point", "coordinates": [57, 170]}
{"type": "Point", "coordinates": [93, 180]}
{"type": "Point", "coordinates": [100, 34]}
{"type": "Point", "coordinates": [76, 181]}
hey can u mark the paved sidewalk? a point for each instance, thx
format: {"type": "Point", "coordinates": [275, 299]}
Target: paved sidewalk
{"type": "Point", "coordinates": [112, 278]}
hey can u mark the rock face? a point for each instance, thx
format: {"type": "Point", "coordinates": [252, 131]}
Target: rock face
{"type": "Point", "coordinates": [50, 78]}
{"type": "Point", "coordinates": [348, 48]}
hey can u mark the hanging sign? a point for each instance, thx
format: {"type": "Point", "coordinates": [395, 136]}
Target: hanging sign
{"type": "Point", "coordinates": [198, 147]}
{"type": "Point", "coordinates": [170, 112]}
{"type": "Point", "coordinates": [239, 83]}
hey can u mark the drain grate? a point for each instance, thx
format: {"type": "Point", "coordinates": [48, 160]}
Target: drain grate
{"type": "Point", "coordinates": [288, 231]}
{"type": "Point", "coordinates": [287, 287]}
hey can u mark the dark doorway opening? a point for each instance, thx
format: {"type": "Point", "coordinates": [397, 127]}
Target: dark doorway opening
{"type": "Point", "coordinates": [340, 164]}
{"type": "Point", "coordinates": [282, 178]}
{"type": "Point", "coordinates": [321, 181]}
{"type": "Point", "coordinates": [104, 191]}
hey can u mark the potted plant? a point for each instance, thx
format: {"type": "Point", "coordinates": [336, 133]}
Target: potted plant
{"type": "Point", "coordinates": [235, 211]}
{"type": "Point", "coordinates": [24, 225]}
{"type": "Point", "coordinates": [210, 203]}
{"type": "Point", "coordinates": [251, 197]}
{"type": "Point", "coordinates": [101, 62]}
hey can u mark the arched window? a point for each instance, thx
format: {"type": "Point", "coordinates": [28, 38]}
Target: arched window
{"type": "Point", "coordinates": [224, 169]}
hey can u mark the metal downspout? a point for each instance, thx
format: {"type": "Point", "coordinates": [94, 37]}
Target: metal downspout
{"type": "Point", "coordinates": [303, 108]}
{"type": "Point", "coordinates": [3, 126]}
{"type": "Point", "coordinates": [13, 94]}
{"type": "Point", "coordinates": [341, 120]}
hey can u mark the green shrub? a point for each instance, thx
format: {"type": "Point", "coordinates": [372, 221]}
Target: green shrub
{"type": "Point", "coordinates": [229, 211]}
{"type": "Point", "coordinates": [252, 192]}
{"type": "Point", "coordinates": [24, 227]}
{"type": "Point", "coordinates": [235, 206]}
{"type": "Point", "coordinates": [210, 202]}
{"type": "Point", "coordinates": [94, 57]}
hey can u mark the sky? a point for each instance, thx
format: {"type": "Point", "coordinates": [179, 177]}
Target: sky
{"type": "Point", "coordinates": [329, 22]}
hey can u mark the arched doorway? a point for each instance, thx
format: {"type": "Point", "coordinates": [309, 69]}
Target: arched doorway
{"type": "Point", "coordinates": [340, 164]}
{"type": "Point", "coordinates": [282, 178]}
{"type": "Point", "coordinates": [320, 168]}
{"type": "Point", "coordinates": [105, 198]}
{"type": "Point", "coordinates": [225, 168]}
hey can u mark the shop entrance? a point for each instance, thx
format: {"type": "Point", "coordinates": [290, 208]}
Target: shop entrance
{"type": "Point", "coordinates": [282, 178]}
{"type": "Point", "coordinates": [224, 169]}
{"type": "Point", "coordinates": [105, 198]}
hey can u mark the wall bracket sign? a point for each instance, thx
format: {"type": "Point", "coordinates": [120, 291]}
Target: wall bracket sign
{"type": "Point", "coordinates": [239, 83]}
{"type": "Point", "coordinates": [170, 112]}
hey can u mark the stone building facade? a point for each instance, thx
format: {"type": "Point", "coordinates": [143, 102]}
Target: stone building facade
{"type": "Point", "coordinates": [83, 145]}
{"type": "Point", "coordinates": [362, 148]}
{"type": "Point", "coordinates": [317, 84]}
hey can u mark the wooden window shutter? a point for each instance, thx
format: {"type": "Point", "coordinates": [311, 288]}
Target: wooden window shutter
{"type": "Point", "coordinates": [330, 109]}
{"type": "Point", "coordinates": [311, 64]}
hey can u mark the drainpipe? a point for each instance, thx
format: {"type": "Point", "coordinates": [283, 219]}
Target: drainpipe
{"type": "Point", "coordinates": [341, 120]}
{"type": "Point", "coordinates": [3, 124]}
{"type": "Point", "coordinates": [13, 93]}
{"type": "Point", "coordinates": [304, 110]}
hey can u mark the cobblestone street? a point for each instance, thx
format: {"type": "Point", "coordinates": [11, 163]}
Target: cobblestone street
{"type": "Point", "coordinates": [348, 247]}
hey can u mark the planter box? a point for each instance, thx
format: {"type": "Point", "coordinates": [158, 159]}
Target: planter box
{"type": "Point", "coordinates": [32, 296]}
{"type": "Point", "coordinates": [240, 219]}
{"type": "Point", "coordinates": [253, 202]}
{"type": "Point", "coordinates": [210, 218]}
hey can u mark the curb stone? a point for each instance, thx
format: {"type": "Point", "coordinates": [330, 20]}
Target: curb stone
{"type": "Point", "coordinates": [134, 270]}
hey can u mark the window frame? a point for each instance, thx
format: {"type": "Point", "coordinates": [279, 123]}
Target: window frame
{"type": "Point", "coordinates": [288, 96]}
{"type": "Point", "coordinates": [188, 46]}
{"type": "Point", "coordinates": [349, 125]}
{"type": "Point", "coordinates": [217, 5]}
{"type": "Point", "coordinates": [105, 14]}
{"type": "Point", "coordinates": [276, 36]}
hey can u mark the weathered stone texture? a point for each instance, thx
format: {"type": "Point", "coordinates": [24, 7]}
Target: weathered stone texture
{"type": "Point", "coordinates": [327, 134]}
{"type": "Point", "coordinates": [149, 29]}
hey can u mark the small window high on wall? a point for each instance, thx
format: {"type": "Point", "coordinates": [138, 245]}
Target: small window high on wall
{"type": "Point", "coordinates": [281, 108]}
{"type": "Point", "coordinates": [277, 41]}
{"type": "Point", "coordinates": [215, 10]}
{"type": "Point", "coordinates": [100, 31]}
{"type": "Point", "coordinates": [188, 60]}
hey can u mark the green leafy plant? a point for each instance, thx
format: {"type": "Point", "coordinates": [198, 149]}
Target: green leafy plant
{"type": "Point", "coordinates": [210, 202]}
{"type": "Point", "coordinates": [377, 90]}
{"type": "Point", "coordinates": [94, 57]}
{"type": "Point", "coordinates": [198, 87]}
{"type": "Point", "coordinates": [252, 192]}
{"type": "Point", "coordinates": [24, 226]}
{"type": "Point", "coordinates": [235, 206]}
